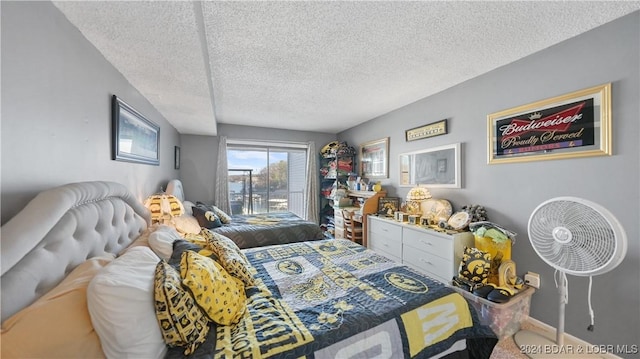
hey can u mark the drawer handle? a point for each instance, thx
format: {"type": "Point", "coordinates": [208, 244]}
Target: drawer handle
{"type": "Point", "coordinates": [427, 262]}
{"type": "Point", "coordinates": [427, 243]}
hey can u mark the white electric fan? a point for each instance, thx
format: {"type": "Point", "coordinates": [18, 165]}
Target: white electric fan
{"type": "Point", "coordinates": [578, 237]}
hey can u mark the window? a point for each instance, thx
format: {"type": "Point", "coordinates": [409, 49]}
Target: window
{"type": "Point", "coordinates": [266, 177]}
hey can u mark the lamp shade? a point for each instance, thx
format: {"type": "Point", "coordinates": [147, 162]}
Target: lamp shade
{"type": "Point", "coordinates": [164, 205]}
{"type": "Point", "coordinates": [418, 194]}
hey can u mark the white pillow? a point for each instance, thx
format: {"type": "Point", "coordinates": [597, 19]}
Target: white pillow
{"type": "Point", "coordinates": [121, 304]}
{"type": "Point", "coordinates": [161, 241]}
{"type": "Point", "coordinates": [188, 207]}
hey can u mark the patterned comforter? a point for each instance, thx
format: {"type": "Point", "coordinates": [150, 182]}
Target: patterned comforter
{"type": "Point", "coordinates": [257, 230]}
{"type": "Point", "coordinates": [337, 299]}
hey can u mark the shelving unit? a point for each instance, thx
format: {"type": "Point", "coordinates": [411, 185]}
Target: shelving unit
{"type": "Point", "coordinates": [336, 165]}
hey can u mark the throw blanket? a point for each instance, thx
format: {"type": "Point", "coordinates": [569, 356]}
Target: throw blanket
{"type": "Point", "coordinates": [335, 298]}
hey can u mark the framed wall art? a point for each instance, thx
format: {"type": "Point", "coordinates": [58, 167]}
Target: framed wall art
{"type": "Point", "coordinates": [387, 206]}
{"type": "Point", "coordinates": [431, 130]}
{"type": "Point", "coordinates": [134, 138]}
{"type": "Point", "coordinates": [374, 159]}
{"type": "Point", "coordinates": [437, 167]}
{"type": "Point", "coordinates": [576, 124]}
{"type": "Point", "coordinates": [176, 157]}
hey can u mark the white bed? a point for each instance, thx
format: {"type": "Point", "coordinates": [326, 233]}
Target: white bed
{"type": "Point", "coordinates": [59, 230]}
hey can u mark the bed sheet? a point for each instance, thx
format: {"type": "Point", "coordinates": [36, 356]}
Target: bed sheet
{"type": "Point", "coordinates": [337, 299]}
{"type": "Point", "coordinates": [258, 230]}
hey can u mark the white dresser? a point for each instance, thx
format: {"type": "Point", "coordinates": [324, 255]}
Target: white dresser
{"type": "Point", "coordinates": [434, 253]}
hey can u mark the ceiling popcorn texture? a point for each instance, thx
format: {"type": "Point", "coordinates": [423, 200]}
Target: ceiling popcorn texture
{"type": "Point", "coordinates": [316, 66]}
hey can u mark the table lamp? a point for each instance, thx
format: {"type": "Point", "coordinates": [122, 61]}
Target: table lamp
{"type": "Point", "coordinates": [415, 197]}
{"type": "Point", "coordinates": [163, 207]}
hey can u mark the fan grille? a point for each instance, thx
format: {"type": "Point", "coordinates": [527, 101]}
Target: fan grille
{"type": "Point", "coordinates": [592, 243]}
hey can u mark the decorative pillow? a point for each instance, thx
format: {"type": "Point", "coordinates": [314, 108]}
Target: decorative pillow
{"type": "Point", "coordinates": [206, 218]}
{"type": "Point", "coordinates": [58, 323]}
{"type": "Point", "coordinates": [475, 265]}
{"type": "Point", "coordinates": [181, 320]}
{"type": "Point", "coordinates": [200, 238]}
{"type": "Point", "coordinates": [224, 218]}
{"type": "Point", "coordinates": [219, 294]}
{"type": "Point", "coordinates": [121, 305]}
{"type": "Point", "coordinates": [182, 245]}
{"type": "Point", "coordinates": [161, 241]}
{"type": "Point", "coordinates": [186, 224]}
{"type": "Point", "coordinates": [231, 258]}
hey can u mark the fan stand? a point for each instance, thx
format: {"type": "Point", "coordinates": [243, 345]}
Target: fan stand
{"type": "Point", "coordinates": [556, 219]}
{"type": "Point", "coordinates": [533, 344]}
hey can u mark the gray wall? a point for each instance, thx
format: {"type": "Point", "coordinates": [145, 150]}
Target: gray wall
{"type": "Point", "coordinates": [512, 191]}
{"type": "Point", "coordinates": [200, 153]}
{"type": "Point", "coordinates": [56, 114]}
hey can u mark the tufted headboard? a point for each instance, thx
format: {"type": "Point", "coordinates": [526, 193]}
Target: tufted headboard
{"type": "Point", "coordinates": [175, 188]}
{"type": "Point", "coordinates": [59, 229]}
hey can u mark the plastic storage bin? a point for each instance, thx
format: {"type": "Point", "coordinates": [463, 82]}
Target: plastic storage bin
{"type": "Point", "coordinates": [503, 318]}
{"type": "Point", "coordinates": [488, 245]}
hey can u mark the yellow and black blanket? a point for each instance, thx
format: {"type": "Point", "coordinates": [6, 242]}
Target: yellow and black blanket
{"type": "Point", "coordinates": [337, 299]}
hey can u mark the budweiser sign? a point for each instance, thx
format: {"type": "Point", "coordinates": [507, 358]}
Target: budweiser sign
{"type": "Point", "coordinates": [570, 125]}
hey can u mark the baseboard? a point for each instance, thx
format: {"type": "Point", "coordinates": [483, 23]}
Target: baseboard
{"type": "Point", "coordinates": [550, 332]}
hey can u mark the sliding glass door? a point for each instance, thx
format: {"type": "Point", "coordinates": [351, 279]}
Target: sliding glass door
{"type": "Point", "coordinates": [264, 179]}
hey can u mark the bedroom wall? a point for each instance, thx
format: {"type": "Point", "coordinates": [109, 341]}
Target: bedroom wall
{"type": "Point", "coordinates": [512, 191]}
{"type": "Point", "coordinates": [199, 154]}
{"type": "Point", "coordinates": [56, 114]}
{"type": "Point", "coordinates": [55, 129]}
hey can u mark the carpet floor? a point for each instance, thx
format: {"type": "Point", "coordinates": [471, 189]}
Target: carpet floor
{"type": "Point", "coordinates": [508, 349]}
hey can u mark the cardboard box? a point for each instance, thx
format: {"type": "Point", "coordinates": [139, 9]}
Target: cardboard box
{"type": "Point", "coordinates": [503, 318]}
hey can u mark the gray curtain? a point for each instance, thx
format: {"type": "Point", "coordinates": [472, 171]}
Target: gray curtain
{"type": "Point", "coordinates": [222, 180]}
{"type": "Point", "coordinates": [311, 195]}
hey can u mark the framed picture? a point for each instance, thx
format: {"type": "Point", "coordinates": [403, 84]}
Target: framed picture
{"type": "Point", "coordinates": [577, 124]}
{"type": "Point", "coordinates": [176, 157]}
{"type": "Point", "coordinates": [430, 130]}
{"type": "Point", "coordinates": [374, 159]}
{"type": "Point", "coordinates": [387, 206]}
{"type": "Point", "coordinates": [134, 138]}
{"type": "Point", "coordinates": [437, 167]}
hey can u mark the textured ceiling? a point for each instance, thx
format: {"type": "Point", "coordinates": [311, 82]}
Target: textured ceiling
{"type": "Point", "coordinates": [316, 66]}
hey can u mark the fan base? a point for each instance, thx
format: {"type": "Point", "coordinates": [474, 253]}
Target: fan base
{"type": "Point", "coordinates": [536, 345]}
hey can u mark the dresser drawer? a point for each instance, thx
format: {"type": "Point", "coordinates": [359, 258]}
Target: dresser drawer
{"type": "Point", "coordinates": [384, 228]}
{"type": "Point", "coordinates": [391, 245]}
{"type": "Point", "coordinates": [339, 233]}
{"type": "Point", "coordinates": [433, 253]}
{"type": "Point", "coordinates": [428, 263]}
{"type": "Point", "coordinates": [427, 242]}
{"type": "Point", "coordinates": [338, 222]}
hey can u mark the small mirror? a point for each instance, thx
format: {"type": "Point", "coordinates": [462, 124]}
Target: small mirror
{"type": "Point", "coordinates": [433, 168]}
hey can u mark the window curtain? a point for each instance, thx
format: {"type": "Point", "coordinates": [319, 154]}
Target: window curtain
{"type": "Point", "coordinates": [311, 194]}
{"type": "Point", "coordinates": [221, 195]}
